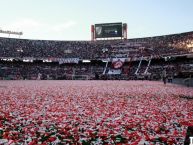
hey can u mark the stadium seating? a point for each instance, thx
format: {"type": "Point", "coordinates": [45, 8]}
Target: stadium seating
{"type": "Point", "coordinates": [156, 46]}
{"type": "Point", "coordinates": [160, 47]}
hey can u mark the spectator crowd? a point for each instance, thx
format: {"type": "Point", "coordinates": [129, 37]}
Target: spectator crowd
{"type": "Point", "coordinates": [67, 51]}
{"type": "Point", "coordinates": [155, 46]}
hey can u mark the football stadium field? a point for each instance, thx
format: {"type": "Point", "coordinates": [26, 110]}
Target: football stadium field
{"type": "Point", "coordinates": [94, 112]}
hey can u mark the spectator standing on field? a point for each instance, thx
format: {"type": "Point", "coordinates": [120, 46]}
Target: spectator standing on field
{"type": "Point", "coordinates": [164, 76]}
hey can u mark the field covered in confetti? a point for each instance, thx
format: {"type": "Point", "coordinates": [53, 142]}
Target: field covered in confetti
{"type": "Point", "coordinates": [94, 112]}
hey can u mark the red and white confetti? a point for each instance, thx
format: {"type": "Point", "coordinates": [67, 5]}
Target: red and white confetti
{"type": "Point", "coordinates": [94, 112]}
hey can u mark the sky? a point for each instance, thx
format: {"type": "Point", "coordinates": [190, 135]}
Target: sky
{"type": "Point", "coordinates": [72, 19]}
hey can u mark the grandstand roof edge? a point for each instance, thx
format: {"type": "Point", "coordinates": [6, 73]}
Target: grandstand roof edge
{"type": "Point", "coordinates": [98, 40]}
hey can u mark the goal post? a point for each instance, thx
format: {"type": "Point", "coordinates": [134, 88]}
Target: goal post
{"type": "Point", "coordinates": [77, 77]}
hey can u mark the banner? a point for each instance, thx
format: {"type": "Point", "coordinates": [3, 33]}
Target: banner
{"type": "Point", "coordinates": [117, 63]}
{"type": "Point", "coordinates": [114, 71]}
{"type": "Point", "coordinates": [68, 60]}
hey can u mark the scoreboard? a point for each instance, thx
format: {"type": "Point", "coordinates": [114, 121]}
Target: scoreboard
{"type": "Point", "coordinates": [107, 30]}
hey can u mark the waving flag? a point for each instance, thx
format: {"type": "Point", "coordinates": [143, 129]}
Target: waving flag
{"type": "Point", "coordinates": [117, 63]}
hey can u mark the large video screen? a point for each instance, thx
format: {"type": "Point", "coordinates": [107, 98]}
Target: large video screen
{"type": "Point", "coordinates": [108, 30]}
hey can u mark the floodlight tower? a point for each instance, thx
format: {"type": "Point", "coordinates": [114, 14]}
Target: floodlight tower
{"type": "Point", "coordinates": [11, 32]}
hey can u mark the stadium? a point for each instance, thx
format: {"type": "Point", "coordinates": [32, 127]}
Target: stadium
{"type": "Point", "coordinates": [110, 90]}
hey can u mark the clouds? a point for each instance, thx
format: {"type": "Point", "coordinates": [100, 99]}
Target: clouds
{"type": "Point", "coordinates": [35, 29]}
{"type": "Point", "coordinates": [63, 26]}
{"type": "Point", "coordinates": [24, 24]}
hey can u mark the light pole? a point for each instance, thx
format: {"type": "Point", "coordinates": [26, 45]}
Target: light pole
{"type": "Point", "coordinates": [11, 32]}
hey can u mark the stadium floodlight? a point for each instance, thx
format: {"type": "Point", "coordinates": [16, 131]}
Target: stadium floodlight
{"type": "Point", "coordinates": [10, 32]}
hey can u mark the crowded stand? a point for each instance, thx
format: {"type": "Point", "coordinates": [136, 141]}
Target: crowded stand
{"type": "Point", "coordinates": [156, 46]}
{"type": "Point", "coordinates": [22, 58]}
{"type": "Point", "coordinates": [177, 67]}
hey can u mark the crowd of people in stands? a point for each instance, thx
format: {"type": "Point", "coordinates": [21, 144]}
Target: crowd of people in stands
{"type": "Point", "coordinates": [50, 71]}
{"type": "Point", "coordinates": [156, 46]}
{"type": "Point", "coordinates": [151, 47]}
{"type": "Point", "coordinates": [27, 71]}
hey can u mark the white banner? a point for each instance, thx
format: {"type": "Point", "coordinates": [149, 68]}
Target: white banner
{"type": "Point", "coordinates": [114, 71]}
{"type": "Point", "coordinates": [68, 60]}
